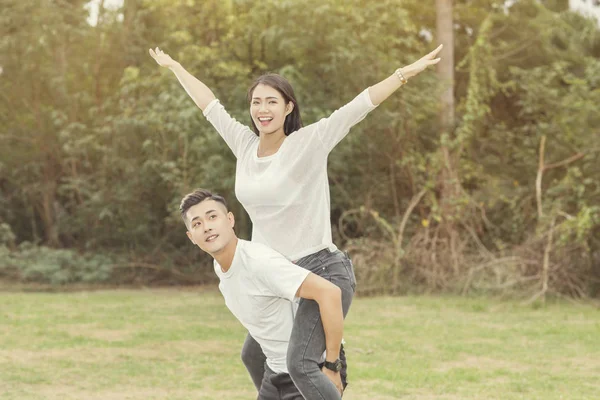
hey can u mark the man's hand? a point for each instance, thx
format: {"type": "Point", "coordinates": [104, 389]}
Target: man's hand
{"type": "Point", "coordinates": [334, 377]}
{"type": "Point", "coordinates": [164, 60]}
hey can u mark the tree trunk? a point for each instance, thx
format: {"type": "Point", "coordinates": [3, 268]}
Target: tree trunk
{"type": "Point", "coordinates": [47, 203]}
{"type": "Point", "coordinates": [449, 181]}
{"type": "Point", "coordinates": [445, 68]}
{"type": "Point", "coordinates": [130, 9]}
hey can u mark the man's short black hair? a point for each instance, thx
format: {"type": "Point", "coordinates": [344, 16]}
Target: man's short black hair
{"type": "Point", "coordinates": [197, 197]}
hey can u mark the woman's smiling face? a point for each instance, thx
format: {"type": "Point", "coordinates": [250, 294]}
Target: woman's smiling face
{"type": "Point", "coordinates": [269, 109]}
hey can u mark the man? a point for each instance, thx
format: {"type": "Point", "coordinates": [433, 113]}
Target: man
{"type": "Point", "coordinates": [260, 287]}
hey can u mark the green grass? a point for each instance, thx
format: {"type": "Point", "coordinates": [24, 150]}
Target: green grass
{"type": "Point", "coordinates": [184, 344]}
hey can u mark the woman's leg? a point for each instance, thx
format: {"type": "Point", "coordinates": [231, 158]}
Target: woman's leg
{"type": "Point", "coordinates": [307, 342]}
{"type": "Point", "coordinates": [286, 388]}
{"type": "Point", "coordinates": [267, 390]}
{"type": "Point", "coordinates": [254, 359]}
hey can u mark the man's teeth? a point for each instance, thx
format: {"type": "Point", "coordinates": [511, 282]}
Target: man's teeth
{"type": "Point", "coordinates": [211, 238]}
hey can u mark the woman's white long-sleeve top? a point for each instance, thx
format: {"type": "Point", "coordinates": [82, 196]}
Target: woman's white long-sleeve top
{"type": "Point", "coordinates": [286, 194]}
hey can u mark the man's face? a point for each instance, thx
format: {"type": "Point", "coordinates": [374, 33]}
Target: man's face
{"type": "Point", "coordinates": [210, 226]}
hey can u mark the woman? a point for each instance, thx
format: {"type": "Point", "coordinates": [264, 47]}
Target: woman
{"type": "Point", "coordinates": [281, 180]}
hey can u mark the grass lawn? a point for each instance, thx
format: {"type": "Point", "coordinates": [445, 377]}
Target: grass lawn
{"type": "Point", "coordinates": [184, 344]}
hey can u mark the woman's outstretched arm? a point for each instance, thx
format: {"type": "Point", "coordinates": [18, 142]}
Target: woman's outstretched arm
{"type": "Point", "coordinates": [386, 87]}
{"type": "Point", "coordinates": [333, 129]}
{"type": "Point", "coordinates": [197, 90]}
{"type": "Point", "coordinates": [237, 136]}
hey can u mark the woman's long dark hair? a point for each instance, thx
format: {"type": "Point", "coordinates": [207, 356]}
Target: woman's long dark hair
{"type": "Point", "coordinates": [293, 122]}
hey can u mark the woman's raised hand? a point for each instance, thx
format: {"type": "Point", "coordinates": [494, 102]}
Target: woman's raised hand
{"type": "Point", "coordinates": [164, 60]}
{"type": "Point", "coordinates": [420, 65]}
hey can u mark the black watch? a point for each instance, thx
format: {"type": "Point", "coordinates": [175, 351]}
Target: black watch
{"type": "Point", "coordinates": [335, 366]}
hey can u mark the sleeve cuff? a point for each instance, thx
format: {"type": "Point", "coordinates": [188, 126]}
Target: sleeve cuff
{"type": "Point", "coordinates": [368, 97]}
{"type": "Point", "coordinates": [210, 106]}
{"type": "Point", "coordinates": [293, 296]}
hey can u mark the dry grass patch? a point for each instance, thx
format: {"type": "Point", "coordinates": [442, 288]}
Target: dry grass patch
{"type": "Point", "coordinates": [140, 393]}
{"type": "Point", "coordinates": [95, 331]}
{"type": "Point", "coordinates": [167, 351]}
{"type": "Point", "coordinates": [478, 362]}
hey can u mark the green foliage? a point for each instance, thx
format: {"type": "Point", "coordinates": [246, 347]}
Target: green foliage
{"type": "Point", "coordinates": [7, 237]}
{"type": "Point", "coordinates": [540, 90]}
{"type": "Point", "coordinates": [98, 144]}
{"type": "Point", "coordinates": [55, 266]}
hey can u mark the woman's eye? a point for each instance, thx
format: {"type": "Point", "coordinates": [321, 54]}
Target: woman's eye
{"type": "Point", "coordinates": [213, 217]}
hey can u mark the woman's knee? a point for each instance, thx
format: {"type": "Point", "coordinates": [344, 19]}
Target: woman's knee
{"type": "Point", "coordinates": [295, 368]}
{"type": "Point", "coordinates": [296, 364]}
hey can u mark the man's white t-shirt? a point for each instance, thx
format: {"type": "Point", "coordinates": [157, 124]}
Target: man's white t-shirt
{"type": "Point", "coordinates": [286, 194]}
{"type": "Point", "coordinates": [260, 289]}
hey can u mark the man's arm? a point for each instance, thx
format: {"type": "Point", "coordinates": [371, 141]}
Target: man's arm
{"type": "Point", "coordinates": [290, 281]}
{"type": "Point", "coordinates": [329, 298]}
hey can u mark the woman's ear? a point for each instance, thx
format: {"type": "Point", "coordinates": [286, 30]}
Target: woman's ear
{"type": "Point", "coordinates": [289, 108]}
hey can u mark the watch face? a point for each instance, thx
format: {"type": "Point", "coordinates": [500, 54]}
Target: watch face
{"type": "Point", "coordinates": [335, 366]}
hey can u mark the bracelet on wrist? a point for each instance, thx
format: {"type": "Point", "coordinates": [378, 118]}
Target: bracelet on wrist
{"type": "Point", "coordinates": [401, 76]}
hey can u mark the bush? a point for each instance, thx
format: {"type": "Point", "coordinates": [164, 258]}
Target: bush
{"type": "Point", "coordinates": [40, 264]}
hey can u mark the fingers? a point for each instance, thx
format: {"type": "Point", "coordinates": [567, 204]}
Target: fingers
{"type": "Point", "coordinates": [436, 51]}
{"type": "Point", "coordinates": [155, 52]}
{"type": "Point", "coordinates": [158, 55]}
{"type": "Point", "coordinates": [338, 383]}
{"type": "Point", "coordinates": [426, 63]}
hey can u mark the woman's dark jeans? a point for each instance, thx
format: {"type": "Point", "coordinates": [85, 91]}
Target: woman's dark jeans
{"type": "Point", "coordinates": [307, 342]}
{"type": "Point", "coordinates": [278, 387]}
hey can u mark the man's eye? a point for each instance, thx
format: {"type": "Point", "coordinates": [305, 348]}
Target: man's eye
{"type": "Point", "coordinates": [213, 217]}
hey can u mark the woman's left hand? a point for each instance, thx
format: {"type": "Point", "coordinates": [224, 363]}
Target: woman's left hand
{"type": "Point", "coordinates": [418, 66]}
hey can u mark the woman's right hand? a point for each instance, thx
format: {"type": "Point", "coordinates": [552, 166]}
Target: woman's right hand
{"type": "Point", "coordinates": [164, 60]}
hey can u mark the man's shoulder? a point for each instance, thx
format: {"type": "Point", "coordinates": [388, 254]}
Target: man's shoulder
{"type": "Point", "coordinates": [258, 253]}
{"type": "Point", "coordinates": [259, 256]}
